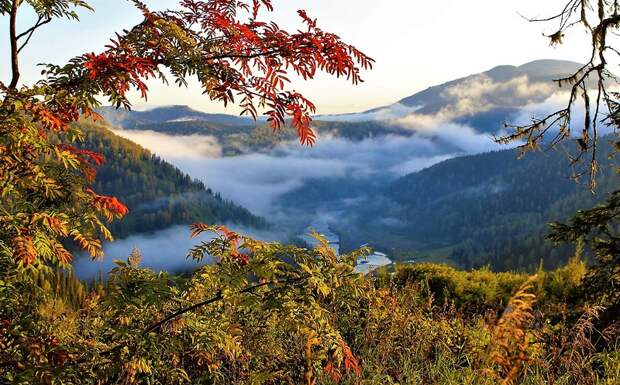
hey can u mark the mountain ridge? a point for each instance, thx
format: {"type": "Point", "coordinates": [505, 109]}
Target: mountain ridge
{"type": "Point", "coordinates": [133, 119]}
{"type": "Point", "coordinates": [545, 70]}
{"type": "Point", "coordinates": [427, 101]}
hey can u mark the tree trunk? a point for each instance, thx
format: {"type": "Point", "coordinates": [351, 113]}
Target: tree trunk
{"type": "Point", "coordinates": [13, 37]}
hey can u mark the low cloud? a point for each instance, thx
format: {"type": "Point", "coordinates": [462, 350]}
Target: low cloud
{"type": "Point", "coordinates": [394, 111]}
{"type": "Point", "coordinates": [256, 181]}
{"type": "Point", "coordinates": [481, 93]}
{"type": "Point", "coordinates": [188, 146]}
{"type": "Point", "coordinates": [475, 94]}
{"type": "Point", "coordinates": [557, 102]}
{"type": "Point", "coordinates": [164, 250]}
{"type": "Point", "coordinates": [463, 138]}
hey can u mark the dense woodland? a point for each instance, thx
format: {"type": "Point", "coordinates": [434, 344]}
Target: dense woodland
{"type": "Point", "coordinates": [488, 209]}
{"type": "Point", "coordinates": [157, 194]}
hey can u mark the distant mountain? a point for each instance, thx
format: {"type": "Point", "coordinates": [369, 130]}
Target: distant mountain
{"type": "Point", "coordinates": [483, 101]}
{"type": "Point", "coordinates": [490, 208]}
{"type": "Point", "coordinates": [168, 114]}
{"type": "Point", "coordinates": [236, 135]}
{"type": "Point", "coordinates": [157, 194]}
{"type": "Point", "coordinates": [503, 86]}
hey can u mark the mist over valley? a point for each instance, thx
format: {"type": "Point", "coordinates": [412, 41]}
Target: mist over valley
{"type": "Point", "coordinates": [351, 181]}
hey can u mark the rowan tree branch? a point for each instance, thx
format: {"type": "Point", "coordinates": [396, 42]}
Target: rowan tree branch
{"type": "Point", "coordinates": [218, 297]}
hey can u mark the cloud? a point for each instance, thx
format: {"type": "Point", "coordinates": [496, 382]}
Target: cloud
{"type": "Point", "coordinates": [462, 138]}
{"type": "Point", "coordinates": [554, 102]}
{"type": "Point", "coordinates": [190, 146]}
{"type": "Point", "coordinates": [164, 250]}
{"type": "Point", "coordinates": [258, 180]}
{"type": "Point", "coordinates": [481, 93]}
{"type": "Point", "coordinates": [559, 101]}
{"type": "Point", "coordinates": [475, 94]}
{"type": "Point", "coordinates": [394, 111]}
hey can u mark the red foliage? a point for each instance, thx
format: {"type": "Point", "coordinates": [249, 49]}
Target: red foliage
{"type": "Point", "coordinates": [231, 237]}
{"type": "Point", "coordinates": [350, 361]}
{"type": "Point", "coordinates": [351, 364]}
{"type": "Point", "coordinates": [243, 57]}
{"type": "Point", "coordinates": [84, 155]}
{"type": "Point", "coordinates": [333, 372]}
{"type": "Point", "coordinates": [108, 203]}
{"type": "Point", "coordinates": [87, 160]}
{"type": "Point", "coordinates": [63, 255]}
{"type": "Point", "coordinates": [24, 250]}
{"type": "Point", "coordinates": [118, 69]}
{"type": "Point", "coordinates": [112, 204]}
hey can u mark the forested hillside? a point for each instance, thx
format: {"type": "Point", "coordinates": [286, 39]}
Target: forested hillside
{"type": "Point", "coordinates": [157, 194]}
{"type": "Point", "coordinates": [482, 209]}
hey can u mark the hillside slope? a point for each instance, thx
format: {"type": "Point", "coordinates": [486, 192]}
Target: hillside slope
{"type": "Point", "coordinates": [158, 194]}
{"type": "Point", "coordinates": [500, 84]}
{"type": "Point", "coordinates": [490, 208]}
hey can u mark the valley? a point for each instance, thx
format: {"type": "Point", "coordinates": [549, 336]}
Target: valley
{"type": "Point", "coordinates": [400, 177]}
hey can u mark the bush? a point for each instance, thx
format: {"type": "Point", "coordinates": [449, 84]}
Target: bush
{"type": "Point", "coordinates": [481, 289]}
{"type": "Point", "coordinates": [252, 318]}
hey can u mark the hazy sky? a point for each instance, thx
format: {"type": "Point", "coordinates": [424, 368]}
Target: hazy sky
{"type": "Point", "coordinates": [416, 43]}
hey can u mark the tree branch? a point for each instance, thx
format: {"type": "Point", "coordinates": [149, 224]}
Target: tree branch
{"type": "Point", "coordinates": [30, 31]}
{"type": "Point", "coordinates": [575, 12]}
{"type": "Point", "coordinates": [40, 22]}
{"type": "Point", "coordinates": [216, 298]}
{"type": "Point", "coordinates": [213, 299]}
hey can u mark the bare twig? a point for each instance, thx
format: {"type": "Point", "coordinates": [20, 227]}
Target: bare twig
{"type": "Point", "coordinates": [534, 134]}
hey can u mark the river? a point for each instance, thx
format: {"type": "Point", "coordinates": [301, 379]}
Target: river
{"type": "Point", "coordinates": [364, 265]}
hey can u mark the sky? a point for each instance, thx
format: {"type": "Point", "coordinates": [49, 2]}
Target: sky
{"type": "Point", "coordinates": [416, 44]}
